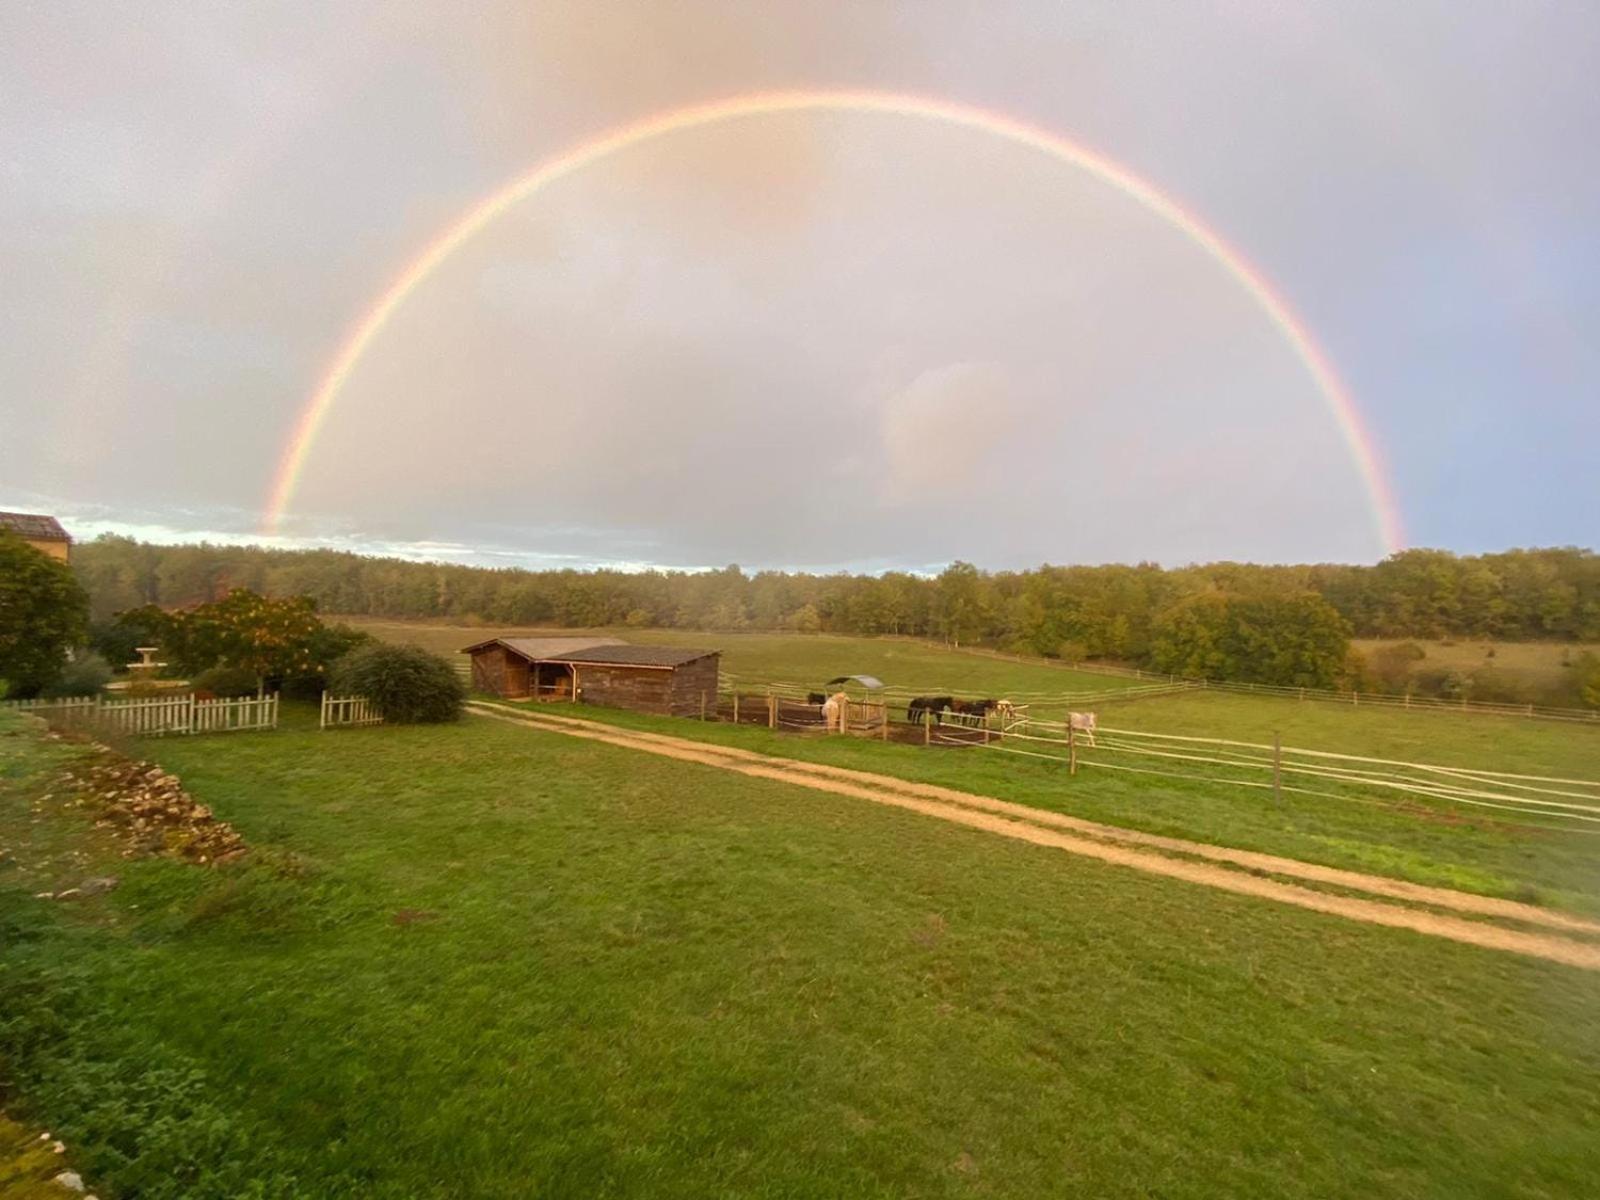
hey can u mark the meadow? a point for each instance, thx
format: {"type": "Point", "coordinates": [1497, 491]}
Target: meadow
{"type": "Point", "coordinates": [1476, 850]}
{"type": "Point", "coordinates": [488, 961]}
{"type": "Point", "coordinates": [805, 659]}
{"type": "Point", "coordinates": [1537, 666]}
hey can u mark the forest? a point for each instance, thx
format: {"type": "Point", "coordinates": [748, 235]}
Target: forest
{"type": "Point", "coordinates": [1210, 619]}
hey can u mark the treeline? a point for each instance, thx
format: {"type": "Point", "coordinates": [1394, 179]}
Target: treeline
{"type": "Point", "coordinates": [1075, 612]}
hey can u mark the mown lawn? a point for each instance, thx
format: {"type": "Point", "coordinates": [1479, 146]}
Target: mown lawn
{"type": "Point", "coordinates": [1478, 850]}
{"type": "Point", "coordinates": [482, 961]}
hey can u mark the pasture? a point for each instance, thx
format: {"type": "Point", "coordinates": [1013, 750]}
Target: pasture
{"type": "Point", "coordinates": [489, 961]}
{"type": "Point", "coordinates": [1537, 666]}
{"type": "Point", "coordinates": [806, 659]}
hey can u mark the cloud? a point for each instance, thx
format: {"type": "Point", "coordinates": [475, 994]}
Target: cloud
{"type": "Point", "coordinates": [942, 432]}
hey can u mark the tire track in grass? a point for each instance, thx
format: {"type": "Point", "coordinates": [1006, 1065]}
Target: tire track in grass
{"type": "Point", "coordinates": [1125, 848]}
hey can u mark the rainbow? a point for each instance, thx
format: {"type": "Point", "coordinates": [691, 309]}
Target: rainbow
{"type": "Point", "coordinates": [761, 104]}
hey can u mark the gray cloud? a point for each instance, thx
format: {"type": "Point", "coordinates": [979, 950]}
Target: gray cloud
{"type": "Point", "coordinates": [813, 339]}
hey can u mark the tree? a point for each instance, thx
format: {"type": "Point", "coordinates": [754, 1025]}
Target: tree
{"type": "Point", "coordinates": [1586, 675]}
{"type": "Point", "coordinates": [407, 684]}
{"type": "Point", "coordinates": [43, 612]}
{"type": "Point", "coordinates": [1289, 641]}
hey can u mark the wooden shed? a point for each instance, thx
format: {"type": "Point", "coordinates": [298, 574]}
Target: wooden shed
{"type": "Point", "coordinates": [656, 679]}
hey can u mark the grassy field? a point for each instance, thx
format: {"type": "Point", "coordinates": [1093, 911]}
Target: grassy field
{"type": "Point", "coordinates": [1537, 665]}
{"type": "Point", "coordinates": [1473, 850]}
{"type": "Point", "coordinates": [806, 659]}
{"type": "Point", "coordinates": [482, 961]}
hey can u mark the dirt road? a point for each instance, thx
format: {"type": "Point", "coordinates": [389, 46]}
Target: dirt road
{"type": "Point", "coordinates": [1241, 871]}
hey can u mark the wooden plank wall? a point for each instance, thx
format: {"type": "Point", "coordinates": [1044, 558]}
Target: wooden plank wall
{"type": "Point", "coordinates": [692, 680]}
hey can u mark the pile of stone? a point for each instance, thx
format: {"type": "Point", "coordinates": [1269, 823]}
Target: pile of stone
{"type": "Point", "coordinates": [152, 812]}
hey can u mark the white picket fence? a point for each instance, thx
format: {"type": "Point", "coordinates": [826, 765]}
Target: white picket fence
{"type": "Point", "coordinates": [148, 715]}
{"type": "Point", "coordinates": [348, 711]}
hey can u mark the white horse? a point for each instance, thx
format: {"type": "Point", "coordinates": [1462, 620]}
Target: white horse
{"type": "Point", "coordinates": [834, 710]}
{"type": "Point", "coordinates": [1083, 723]}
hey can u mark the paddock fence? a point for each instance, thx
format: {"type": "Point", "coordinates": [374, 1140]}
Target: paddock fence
{"type": "Point", "coordinates": [1036, 727]}
{"type": "Point", "coordinates": [1534, 801]}
{"type": "Point", "coordinates": [1158, 680]}
{"type": "Point", "coordinates": [346, 712]}
{"type": "Point", "coordinates": [143, 716]}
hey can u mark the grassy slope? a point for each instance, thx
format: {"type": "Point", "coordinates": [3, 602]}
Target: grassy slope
{"type": "Point", "coordinates": [794, 658]}
{"type": "Point", "coordinates": [649, 978]}
{"type": "Point", "coordinates": [1558, 867]}
{"type": "Point", "coordinates": [1536, 664]}
{"type": "Point", "coordinates": [1479, 854]}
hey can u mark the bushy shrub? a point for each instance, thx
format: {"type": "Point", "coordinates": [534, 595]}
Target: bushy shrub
{"type": "Point", "coordinates": [1390, 665]}
{"type": "Point", "coordinates": [406, 683]}
{"type": "Point", "coordinates": [227, 681]}
{"type": "Point", "coordinates": [85, 675]}
{"type": "Point", "coordinates": [1496, 686]}
{"type": "Point", "coordinates": [1445, 683]}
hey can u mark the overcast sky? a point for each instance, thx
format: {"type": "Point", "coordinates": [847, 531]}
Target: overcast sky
{"type": "Point", "coordinates": [814, 340]}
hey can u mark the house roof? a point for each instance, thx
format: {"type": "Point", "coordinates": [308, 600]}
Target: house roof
{"type": "Point", "coordinates": [33, 527]}
{"type": "Point", "coordinates": [621, 654]}
{"type": "Point", "coordinates": [542, 648]}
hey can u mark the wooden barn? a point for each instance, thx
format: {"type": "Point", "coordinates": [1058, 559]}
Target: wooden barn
{"type": "Point", "coordinates": [654, 679]}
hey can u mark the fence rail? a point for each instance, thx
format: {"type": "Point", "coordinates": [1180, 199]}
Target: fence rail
{"type": "Point", "coordinates": [1544, 712]}
{"type": "Point", "coordinates": [348, 712]}
{"type": "Point", "coordinates": [152, 715]}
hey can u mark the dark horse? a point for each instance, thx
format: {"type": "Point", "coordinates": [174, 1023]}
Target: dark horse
{"type": "Point", "coordinates": [973, 708]}
{"type": "Point", "coordinates": [922, 707]}
{"type": "Point", "coordinates": [816, 698]}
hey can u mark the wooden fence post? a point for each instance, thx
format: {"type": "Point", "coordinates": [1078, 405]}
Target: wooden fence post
{"type": "Point", "coordinates": [884, 714]}
{"type": "Point", "coordinates": [1072, 748]}
{"type": "Point", "coordinates": [927, 727]}
{"type": "Point", "coordinates": [1277, 767]}
{"type": "Point", "coordinates": [735, 706]}
{"type": "Point", "coordinates": [772, 710]}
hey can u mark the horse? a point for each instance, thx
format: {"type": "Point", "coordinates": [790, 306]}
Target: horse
{"type": "Point", "coordinates": [1006, 709]}
{"type": "Point", "coordinates": [974, 708]}
{"type": "Point", "coordinates": [816, 698]}
{"type": "Point", "coordinates": [834, 710]}
{"type": "Point", "coordinates": [922, 707]}
{"type": "Point", "coordinates": [1083, 723]}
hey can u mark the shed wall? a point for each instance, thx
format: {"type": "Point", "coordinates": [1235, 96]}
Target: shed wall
{"type": "Point", "coordinates": [642, 689]}
{"type": "Point", "coordinates": [692, 681]}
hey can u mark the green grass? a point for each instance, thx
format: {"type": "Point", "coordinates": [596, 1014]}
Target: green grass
{"type": "Point", "coordinates": [1536, 665]}
{"type": "Point", "coordinates": [638, 977]}
{"type": "Point", "coordinates": [806, 659]}
{"type": "Point", "coordinates": [1468, 849]}
{"type": "Point", "coordinates": [1464, 739]}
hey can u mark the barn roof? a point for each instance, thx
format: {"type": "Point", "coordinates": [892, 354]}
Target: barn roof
{"type": "Point", "coordinates": [542, 648]}
{"type": "Point", "coordinates": [33, 527]}
{"type": "Point", "coordinates": [621, 654]}
{"type": "Point", "coordinates": [871, 682]}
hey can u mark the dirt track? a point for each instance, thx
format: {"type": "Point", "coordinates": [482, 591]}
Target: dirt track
{"type": "Point", "coordinates": [1193, 862]}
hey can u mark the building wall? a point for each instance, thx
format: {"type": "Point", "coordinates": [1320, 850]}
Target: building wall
{"type": "Point", "coordinates": [54, 549]}
{"type": "Point", "coordinates": [498, 671]}
{"type": "Point", "coordinates": [641, 689]}
{"type": "Point", "coordinates": [691, 681]}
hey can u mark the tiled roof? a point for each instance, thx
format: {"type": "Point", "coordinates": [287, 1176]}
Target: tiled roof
{"type": "Point", "coordinates": [33, 527]}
